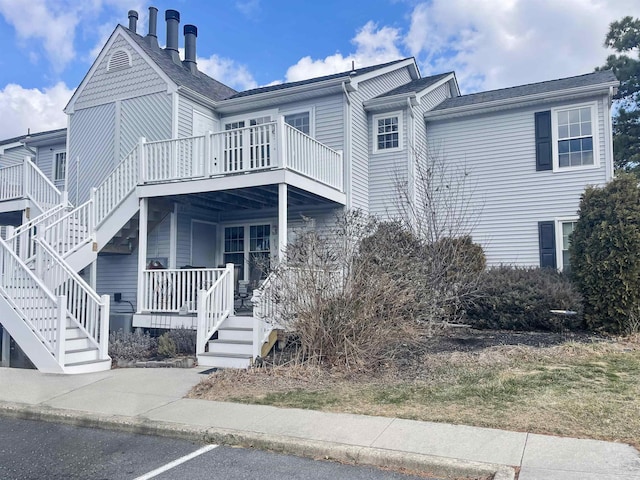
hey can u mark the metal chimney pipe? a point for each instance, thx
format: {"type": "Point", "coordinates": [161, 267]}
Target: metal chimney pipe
{"type": "Point", "coordinates": [133, 19]}
{"type": "Point", "coordinates": [173, 23]}
{"type": "Point", "coordinates": [153, 22]}
{"type": "Point", "coordinates": [190, 35]}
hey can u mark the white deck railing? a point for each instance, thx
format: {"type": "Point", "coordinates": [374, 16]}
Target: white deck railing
{"type": "Point", "coordinates": [248, 149]}
{"type": "Point", "coordinates": [214, 306]}
{"type": "Point", "coordinates": [85, 307]}
{"type": "Point", "coordinates": [176, 291]}
{"type": "Point", "coordinates": [27, 180]}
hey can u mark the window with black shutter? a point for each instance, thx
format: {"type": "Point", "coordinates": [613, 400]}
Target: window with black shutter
{"type": "Point", "coordinates": [547, 243]}
{"type": "Point", "coordinates": [543, 141]}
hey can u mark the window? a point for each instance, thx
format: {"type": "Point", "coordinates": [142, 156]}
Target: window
{"type": "Point", "coordinates": [575, 141]}
{"type": "Point", "coordinates": [252, 258]}
{"type": "Point", "coordinates": [299, 121]}
{"type": "Point", "coordinates": [60, 165]}
{"type": "Point", "coordinates": [566, 229]}
{"type": "Point", "coordinates": [387, 132]}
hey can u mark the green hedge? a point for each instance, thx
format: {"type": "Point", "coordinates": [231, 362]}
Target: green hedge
{"type": "Point", "coordinates": [518, 298]}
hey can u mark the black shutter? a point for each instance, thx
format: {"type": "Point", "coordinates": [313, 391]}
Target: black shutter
{"type": "Point", "coordinates": [547, 243]}
{"type": "Point", "coordinates": [543, 141]}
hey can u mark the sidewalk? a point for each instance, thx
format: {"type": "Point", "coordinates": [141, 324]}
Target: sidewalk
{"type": "Point", "coordinates": [151, 401]}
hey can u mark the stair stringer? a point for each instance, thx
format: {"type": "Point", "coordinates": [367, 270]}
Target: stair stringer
{"type": "Point", "coordinates": [27, 339]}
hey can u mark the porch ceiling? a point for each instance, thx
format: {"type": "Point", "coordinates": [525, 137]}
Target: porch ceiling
{"type": "Point", "coordinates": [250, 198]}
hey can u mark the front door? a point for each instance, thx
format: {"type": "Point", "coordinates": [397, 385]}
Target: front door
{"type": "Point", "coordinates": [203, 242]}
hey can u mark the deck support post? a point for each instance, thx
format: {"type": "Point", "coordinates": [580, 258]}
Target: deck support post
{"type": "Point", "coordinates": [142, 250]}
{"type": "Point", "coordinates": [5, 354]}
{"type": "Point", "coordinates": [282, 220]}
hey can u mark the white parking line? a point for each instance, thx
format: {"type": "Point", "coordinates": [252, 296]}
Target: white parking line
{"type": "Point", "coordinates": [176, 462]}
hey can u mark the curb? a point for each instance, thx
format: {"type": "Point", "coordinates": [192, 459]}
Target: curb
{"type": "Point", "coordinates": [377, 457]}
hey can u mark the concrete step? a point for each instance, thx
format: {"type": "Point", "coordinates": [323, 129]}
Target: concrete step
{"type": "Point", "coordinates": [235, 321]}
{"type": "Point", "coordinates": [232, 347]}
{"type": "Point", "coordinates": [88, 367]}
{"type": "Point", "coordinates": [224, 361]}
{"type": "Point", "coordinates": [235, 333]}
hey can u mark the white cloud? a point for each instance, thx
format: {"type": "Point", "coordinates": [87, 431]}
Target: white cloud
{"type": "Point", "coordinates": [51, 23]}
{"type": "Point", "coordinates": [249, 8]}
{"type": "Point", "coordinates": [33, 109]}
{"type": "Point", "coordinates": [227, 71]}
{"type": "Point", "coordinates": [498, 43]}
{"type": "Point", "coordinates": [373, 45]}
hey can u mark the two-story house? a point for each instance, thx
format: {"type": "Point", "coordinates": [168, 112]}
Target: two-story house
{"type": "Point", "coordinates": [170, 193]}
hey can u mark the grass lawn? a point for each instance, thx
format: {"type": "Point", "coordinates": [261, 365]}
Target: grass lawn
{"type": "Point", "coordinates": [589, 390]}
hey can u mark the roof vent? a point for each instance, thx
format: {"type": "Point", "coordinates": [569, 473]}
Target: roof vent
{"type": "Point", "coordinates": [190, 35]}
{"type": "Point", "coordinates": [133, 20]}
{"type": "Point", "coordinates": [153, 24]}
{"type": "Point", "coordinates": [173, 22]}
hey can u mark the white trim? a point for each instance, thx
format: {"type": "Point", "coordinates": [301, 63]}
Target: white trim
{"type": "Point", "coordinates": [608, 137]}
{"type": "Point", "coordinates": [374, 131]}
{"type": "Point", "coordinates": [311, 110]}
{"type": "Point", "coordinates": [9, 146]}
{"type": "Point", "coordinates": [409, 62]}
{"type": "Point", "coordinates": [173, 236]}
{"type": "Point", "coordinates": [558, 221]}
{"type": "Point", "coordinates": [247, 116]}
{"type": "Point", "coordinates": [595, 134]}
{"type": "Point", "coordinates": [175, 114]}
{"type": "Point", "coordinates": [54, 165]}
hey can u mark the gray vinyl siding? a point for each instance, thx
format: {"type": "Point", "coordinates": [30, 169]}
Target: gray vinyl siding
{"type": "Point", "coordinates": [118, 274]}
{"type": "Point", "coordinates": [388, 172]}
{"type": "Point", "coordinates": [158, 240]}
{"type": "Point", "coordinates": [91, 140]}
{"type": "Point", "coordinates": [186, 108]}
{"type": "Point", "coordinates": [360, 138]}
{"type": "Point", "coordinates": [13, 156]}
{"type": "Point", "coordinates": [509, 196]}
{"type": "Point", "coordinates": [45, 160]}
{"type": "Point", "coordinates": [104, 87]}
{"type": "Point", "coordinates": [148, 116]}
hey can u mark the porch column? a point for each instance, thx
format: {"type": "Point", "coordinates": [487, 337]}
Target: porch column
{"type": "Point", "coordinates": [142, 250]}
{"type": "Point", "coordinates": [5, 353]}
{"type": "Point", "coordinates": [93, 274]}
{"type": "Point", "coordinates": [173, 236]}
{"type": "Point", "coordinates": [282, 220]}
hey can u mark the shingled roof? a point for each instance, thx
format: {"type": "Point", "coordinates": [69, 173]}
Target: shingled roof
{"type": "Point", "coordinates": [200, 82]}
{"type": "Point", "coordinates": [589, 79]}
{"type": "Point", "coordinates": [347, 74]}
{"type": "Point", "coordinates": [415, 85]}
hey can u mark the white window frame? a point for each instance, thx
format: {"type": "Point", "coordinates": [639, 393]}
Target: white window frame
{"type": "Point", "coordinates": [247, 117]}
{"type": "Point", "coordinates": [558, 231]}
{"type": "Point", "coordinates": [595, 134]}
{"type": "Point", "coordinates": [312, 116]}
{"type": "Point", "coordinates": [374, 131]}
{"type": "Point", "coordinates": [273, 240]}
{"type": "Point", "coordinates": [54, 165]}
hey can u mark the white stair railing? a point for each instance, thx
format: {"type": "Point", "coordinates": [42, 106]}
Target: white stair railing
{"type": "Point", "coordinates": [39, 188]}
{"type": "Point", "coordinates": [21, 239]}
{"type": "Point", "coordinates": [214, 306]}
{"type": "Point", "coordinates": [35, 304]}
{"type": "Point", "coordinates": [71, 231]}
{"type": "Point", "coordinates": [88, 310]}
{"type": "Point", "coordinates": [265, 312]}
{"type": "Point", "coordinates": [118, 185]}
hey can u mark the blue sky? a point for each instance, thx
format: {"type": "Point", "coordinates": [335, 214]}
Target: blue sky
{"type": "Point", "coordinates": [48, 45]}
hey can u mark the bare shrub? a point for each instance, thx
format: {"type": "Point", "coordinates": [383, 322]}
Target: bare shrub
{"type": "Point", "coordinates": [184, 340]}
{"type": "Point", "coordinates": [131, 346]}
{"type": "Point", "coordinates": [347, 308]}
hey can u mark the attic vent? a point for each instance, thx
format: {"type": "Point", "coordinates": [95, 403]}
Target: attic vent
{"type": "Point", "coordinates": [119, 60]}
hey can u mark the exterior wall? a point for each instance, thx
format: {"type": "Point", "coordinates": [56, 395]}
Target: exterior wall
{"type": "Point", "coordinates": [105, 87]}
{"type": "Point", "coordinates": [13, 156]}
{"type": "Point", "coordinates": [148, 116]}
{"type": "Point", "coordinates": [90, 156]}
{"type": "Point", "coordinates": [45, 161]}
{"type": "Point", "coordinates": [118, 274]}
{"type": "Point", "coordinates": [186, 108]}
{"type": "Point", "coordinates": [360, 138]}
{"type": "Point", "coordinates": [509, 197]}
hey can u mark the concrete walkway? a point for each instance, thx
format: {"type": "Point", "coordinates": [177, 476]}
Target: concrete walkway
{"type": "Point", "coordinates": [151, 401]}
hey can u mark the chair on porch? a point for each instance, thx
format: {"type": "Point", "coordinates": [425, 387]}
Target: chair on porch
{"type": "Point", "coordinates": [243, 293]}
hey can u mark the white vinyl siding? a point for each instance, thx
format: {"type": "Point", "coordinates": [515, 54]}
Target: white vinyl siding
{"type": "Point", "coordinates": [13, 156]}
{"type": "Point", "coordinates": [45, 159]}
{"type": "Point", "coordinates": [387, 130]}
{"type": "Point", "coordinates": [509, 197]}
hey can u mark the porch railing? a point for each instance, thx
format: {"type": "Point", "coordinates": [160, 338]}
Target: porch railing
{"type": "Point", "coordinates": [176, 291]}
{"type": "Point", "coordinates": [27, 180]}
{"type": "Point", "coordinates": [214, 306]}
{"type": "Point", "coordinates": [265, 313]}
{"type": "Point", "coordinates": [254, 148]}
